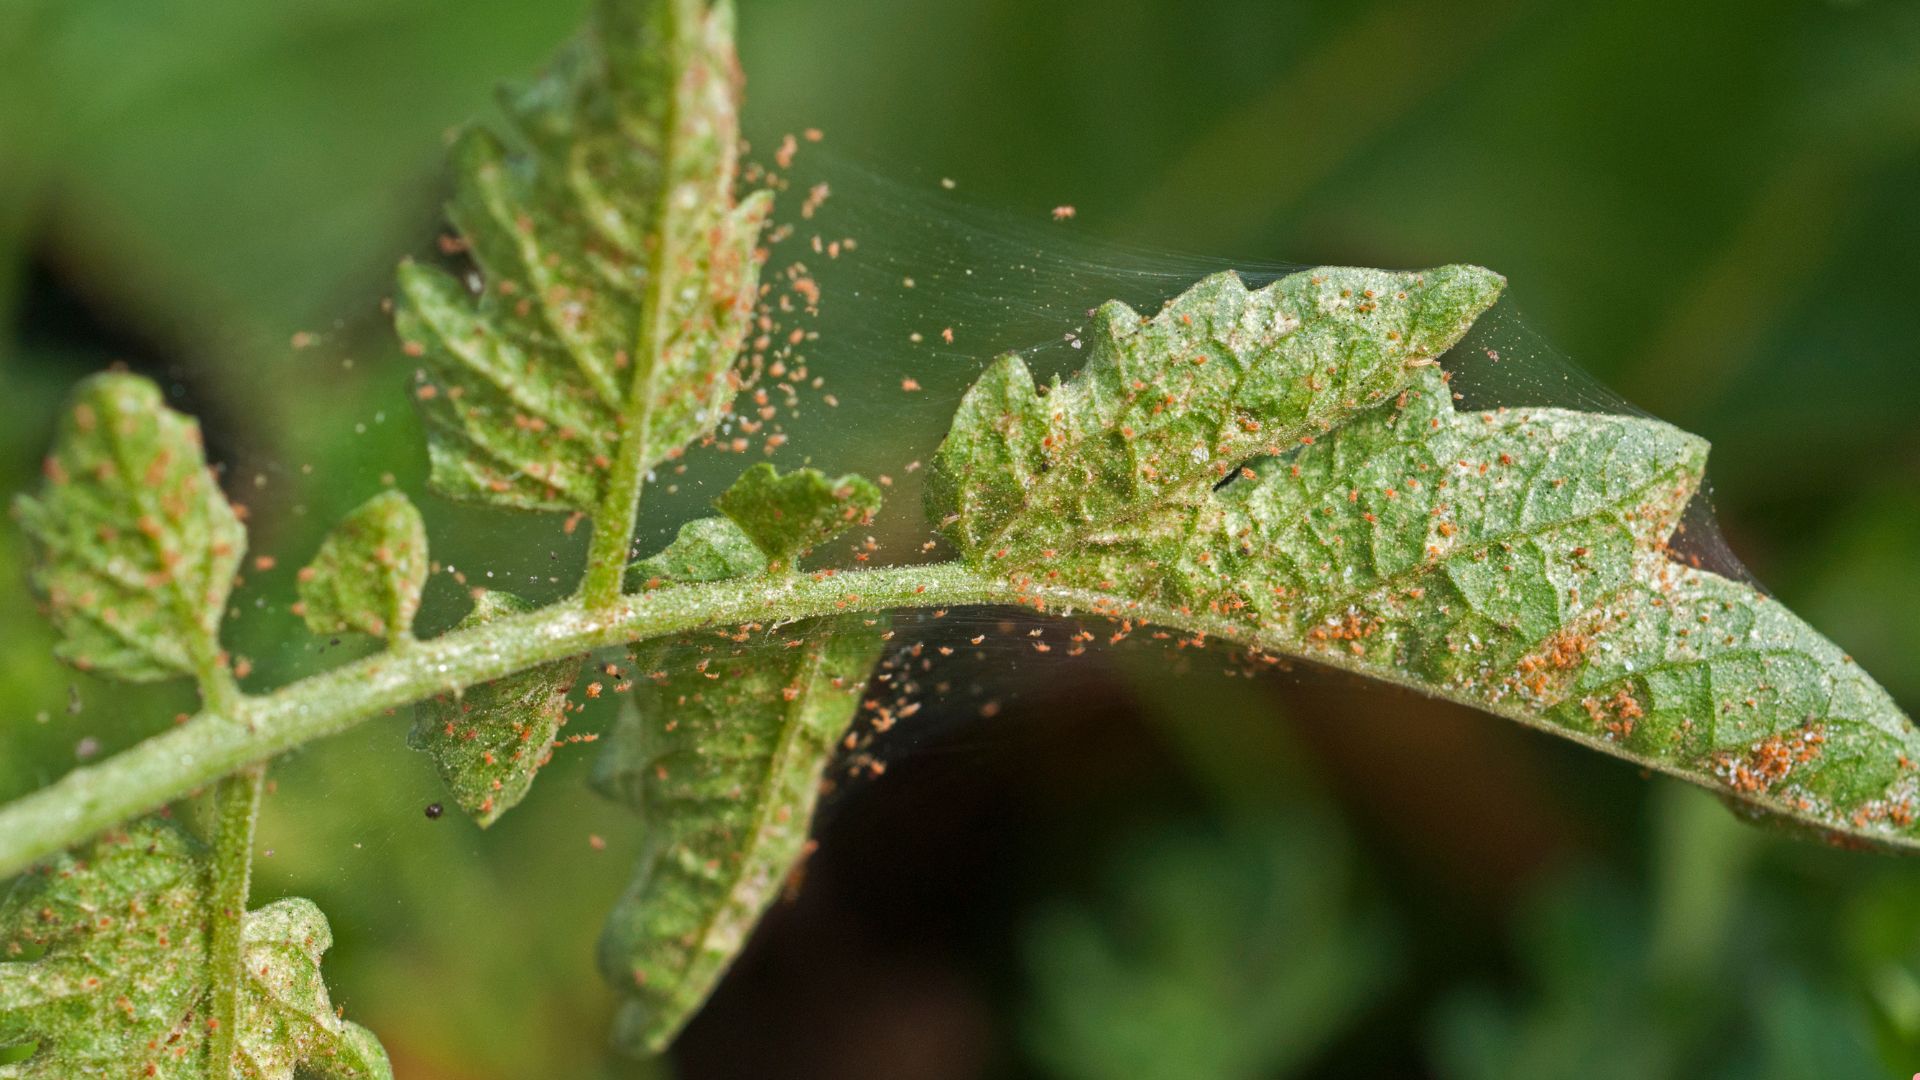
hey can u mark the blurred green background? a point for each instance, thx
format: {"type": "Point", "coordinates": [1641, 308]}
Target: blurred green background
{"type": "Point", "coordinates": [1709, 206]}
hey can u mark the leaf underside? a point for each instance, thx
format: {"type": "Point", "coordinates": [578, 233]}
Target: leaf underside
{"type": "Point", "coordinates": [705, 549]}
{"type": "Point", "coordinates": [491, 740]}
{"type": "Point", "coordinates": [611, 194]}
{"type": "Point", "coordinates": [119, 985]}
{"type": "Point", "coordinates": [787, 514]}
{"type": "Point", "coordinates": [720, 749]}
{"type": "Point", "coordinates": [135, 547]}
{"type": "Point", "coordinates": [1514, 560]}
{"type": "Point", "coordinates": [1166, 408]}
{"type": "Point", "coordinates": [369, 572]}
{"type": "Point", "coordinates": [721, 752]}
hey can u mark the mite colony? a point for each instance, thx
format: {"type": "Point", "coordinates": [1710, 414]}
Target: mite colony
{"type": "Point", "coordinates": [789, 299]}
{"type": "Point", "coordinates": [774, 369]}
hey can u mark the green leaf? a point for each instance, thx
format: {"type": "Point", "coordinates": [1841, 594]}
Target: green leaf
{"type": "Point", "coordinates": [789, 514]}
{"type": "Point", "coordinates": [1167, 407]}
{"type": "Point", "coordinates": [1514, 560]}
{"type": "Point", "coordinates": [135, 546]}
{"type": "Point", "coordinates": [490, 741]}
{"type": "Point", "coordinates": [720, 750]}
{"type": "Point", "coordinates": [120, 983]}
{"type": "Point", "coordinates": [705, 549]}
{"type": "Point", "coordinates": [617, 273]}
{"type": "Point", "coordinates": [369, 572]}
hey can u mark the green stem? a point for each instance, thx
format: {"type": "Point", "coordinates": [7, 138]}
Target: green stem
{"type": "Point", "coordinates": [236, 809]}
{"type": "Point", "coordinates": [225, 738]}
{"type": "Point", "coordinates": [229, 735]}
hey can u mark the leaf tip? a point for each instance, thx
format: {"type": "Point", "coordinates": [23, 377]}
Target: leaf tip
{"type": "Point", "coordinates": [370, 571]}
{"type": "Point", "coordinates": [1457, 295]}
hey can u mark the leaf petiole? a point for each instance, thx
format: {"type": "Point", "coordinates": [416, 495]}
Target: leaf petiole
{"type": "Point", "coordinates": [236, 812]}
